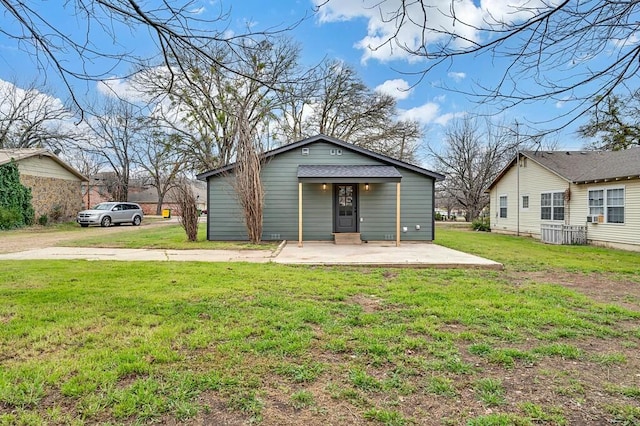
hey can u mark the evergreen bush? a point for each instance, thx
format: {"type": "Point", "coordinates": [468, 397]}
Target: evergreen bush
{"type": "Point", "coordinates": [14, 196]}
{"type": "Point", "coordinates": [481, 224]}
{"type": "Point", "coordinates": [10, 218]}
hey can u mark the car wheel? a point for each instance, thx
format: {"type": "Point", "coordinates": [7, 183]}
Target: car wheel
{"type": "Point", "coordinates": [84, 225]}
{"type": "Point", "coordinates": [106, 222]}
{"type": "Point", "coordinates": [137, 220]}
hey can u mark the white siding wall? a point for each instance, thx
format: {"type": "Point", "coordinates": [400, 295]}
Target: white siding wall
{"type": "Point", "coordinates": [534, 180]}
{"type": "Point", "coordinates": [44, 167]}
{"type": "Point", "coordinates": [609, 233]}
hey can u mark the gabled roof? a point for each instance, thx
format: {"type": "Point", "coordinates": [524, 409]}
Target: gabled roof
{"type": "Point", "coordinates": [584, 166]}
{"type": "Point", "coordinates": [17, 154]}
{"type": "Point", "coordinates": [340, 144]}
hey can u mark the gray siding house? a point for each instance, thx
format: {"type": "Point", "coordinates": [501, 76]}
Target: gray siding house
{"type": "Point", "coordinates": [322, 188]}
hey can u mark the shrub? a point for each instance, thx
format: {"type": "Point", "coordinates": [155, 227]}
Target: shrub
{"type": "Point", "coordinates": [56, 213]}
{"type": "Point", "coordinates": [43, 220]}
{"type": "Point", "coordinates": [439, 216]}
{"type": "Point", "coordinates": [10, 218]}
{"type": "Point", "coordinates": [481, 224]}
{"type": "Point", "coordinates": [14, 196]}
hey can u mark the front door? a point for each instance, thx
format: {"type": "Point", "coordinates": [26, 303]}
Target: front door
{"type": "Point", "coordinates": [345, 208]}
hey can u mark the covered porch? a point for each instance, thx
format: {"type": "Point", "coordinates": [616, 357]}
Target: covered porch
{"type": "Point", "coordinates": [344, 185]}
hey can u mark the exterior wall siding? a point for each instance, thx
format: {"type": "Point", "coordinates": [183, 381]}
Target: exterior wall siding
{"type": "Point", "coordinates": [44, 167]}
{"type": "Point", "coordinates": [613, 234]}
{"type": "Point", "coordinates": [534, 180]}
{"type": "Point", "coordinates": [376, 207]}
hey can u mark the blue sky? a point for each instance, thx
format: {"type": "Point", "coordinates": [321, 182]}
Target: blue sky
{"type": "Point", "coordinates": [342, 30]}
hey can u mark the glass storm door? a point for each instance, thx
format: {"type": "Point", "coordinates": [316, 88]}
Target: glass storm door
{"type": "Point", "coordinates": [345, 208]}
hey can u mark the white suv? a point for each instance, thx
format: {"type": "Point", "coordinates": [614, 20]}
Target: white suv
{"type": "Point", "coordinates": [106, 214]}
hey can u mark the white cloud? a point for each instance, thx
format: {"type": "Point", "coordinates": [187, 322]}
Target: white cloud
{"type": "Point", "coordinates": [429, 113]}
{"type": "Point", "coordinates": [198, 11]}
{"type": "Point", "coordinates": [383, 39]}
{"type": "Point", "coordinates": [445, 118]}
{"type": "Point", "coordinates": [119, 88]}
{"type": "Point", "coordinates": [629, 41]}
{"type": "Point", "coordinates": [398, 88]}
{"type": "Point", "coordinates": [424, 114]}
{"type": "Point", "coordinates": [457, 76]}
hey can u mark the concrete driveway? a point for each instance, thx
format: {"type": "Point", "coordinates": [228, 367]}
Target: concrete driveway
{"type": "Point", "coordinates": [416, 255]}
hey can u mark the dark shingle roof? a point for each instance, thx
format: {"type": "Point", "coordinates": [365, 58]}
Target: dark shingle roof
{"type": "Point", "coordinates": [339, 143]}
{"type": "Point", "coordinates": [346, 171]}
{"type": "Point", "coordinates": [588, 166]}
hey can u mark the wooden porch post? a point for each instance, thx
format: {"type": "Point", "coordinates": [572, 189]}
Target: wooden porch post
{"type": "Point", "coordinates": [299, 214]}
{"type": "Point", "coordinates": [398, 214]}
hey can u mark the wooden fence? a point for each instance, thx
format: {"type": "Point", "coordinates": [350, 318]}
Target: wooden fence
{"type": "Point", "coordinates": [563, 234]}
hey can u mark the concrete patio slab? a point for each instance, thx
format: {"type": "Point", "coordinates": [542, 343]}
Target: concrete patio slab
{"type": "Point", "coordinates": [381, 254]}
{"type": "Point", "coordinates": [258, 256]}
{"type": "Point", "coordinates": [415, 255]}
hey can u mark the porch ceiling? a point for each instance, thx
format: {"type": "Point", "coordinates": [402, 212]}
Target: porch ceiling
{"type": "Point", "coordinates": [348, 173]}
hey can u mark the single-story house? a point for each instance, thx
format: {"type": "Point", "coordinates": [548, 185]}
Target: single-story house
{"type": "Point", "coordinates": [55, 185]}
{"type": "Point", "coordinates": [324, 189]}
{"type": "Point", "coordinates": [596, 190]}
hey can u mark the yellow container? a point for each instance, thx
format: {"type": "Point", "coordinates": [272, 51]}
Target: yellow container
{"type": "Point", "coordinates": [166, 213]}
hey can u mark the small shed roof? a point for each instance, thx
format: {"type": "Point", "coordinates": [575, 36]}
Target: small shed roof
{"type": "Point", "coordinates": [355, 173]}
{"type": "Point", "coordinates": [17, 154]}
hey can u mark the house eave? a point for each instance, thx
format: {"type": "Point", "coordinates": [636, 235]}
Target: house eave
{"type": "Point", "coordinates": [383, 158]}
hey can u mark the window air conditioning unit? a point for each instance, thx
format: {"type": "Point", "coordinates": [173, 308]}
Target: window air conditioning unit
{"type": "Point", "coordinates": [595, 218]}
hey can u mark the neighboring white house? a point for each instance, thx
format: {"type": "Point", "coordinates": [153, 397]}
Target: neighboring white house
{"type": "Point", "coordinates": [596, 189]}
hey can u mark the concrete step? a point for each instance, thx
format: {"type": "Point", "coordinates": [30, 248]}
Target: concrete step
{"type": "Point", "coordinates": [347, 238]}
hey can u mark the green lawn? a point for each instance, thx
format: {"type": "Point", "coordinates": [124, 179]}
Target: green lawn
{"type": "Point", "coordinates": [523, 253]}
{"type": "Point", "coordinates": [170, 236]}
{"type": "Point", "coordinates": [86, 342]}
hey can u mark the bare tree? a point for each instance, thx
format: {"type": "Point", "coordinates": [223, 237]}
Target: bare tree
{"type": "Point", "coordinates": [339, 104]}
{"type": "Point", "coordinates": [174, 27]}
{"type": "Point", "coordinates": [203, 109]}
{"type": "Point", "coordinates": [536, 39]}
{"type": "Point", "coordinates": [161, 161]}
{"type": "Point", "coordinates": [187, 208]}
{"type": "Point", "coordinates": [472, 158]}
{"type": "Point", "coordinates": [247, 183]}
{"type": "Point", "coordinates": [117, 129]}
{"type": "Point", "coordinates": [29, 118]}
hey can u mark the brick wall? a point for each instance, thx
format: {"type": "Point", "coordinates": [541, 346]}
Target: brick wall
{"type": "Point", "coordinates": [50, 192]}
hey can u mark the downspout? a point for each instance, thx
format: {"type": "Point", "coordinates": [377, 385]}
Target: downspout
{"type": "Point", "coordinates": [433, 210]}
{"type": "Point", "coordinates": [208, 205]}
{"type": "Point", "coordinates": [518, 193]}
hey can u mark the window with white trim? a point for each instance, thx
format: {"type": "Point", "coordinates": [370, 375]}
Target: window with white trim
{"type": "Point", "coordinates": [607, 202]}
{"type": "Point", "coordinates": [552, 206]}
{"type": "Point", "coordinates": [596, 202]}
{"type": "Point", "coordinates": [503, 206]}
{"type": "Point", "coordinates": [525, 202]}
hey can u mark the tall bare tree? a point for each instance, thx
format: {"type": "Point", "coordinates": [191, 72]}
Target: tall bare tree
{"type": "Point", "coordinates": [204, 108]}
{"type": "Point", "coordinates": [473, 156]}
{"type": "Point", "coordinates": [117, 128]}
{"type": "Point", "coordinates": [337, 103]}
{"type": "Point", "coordinates": [30, 118]}
{"type": "Point", "coordinates": [160, 161]}
{"type": "Point", "coordinates": [593, 43]}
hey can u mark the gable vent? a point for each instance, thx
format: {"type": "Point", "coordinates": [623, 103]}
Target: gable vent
{"type": "Point", "coordinates": [305, 151]}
